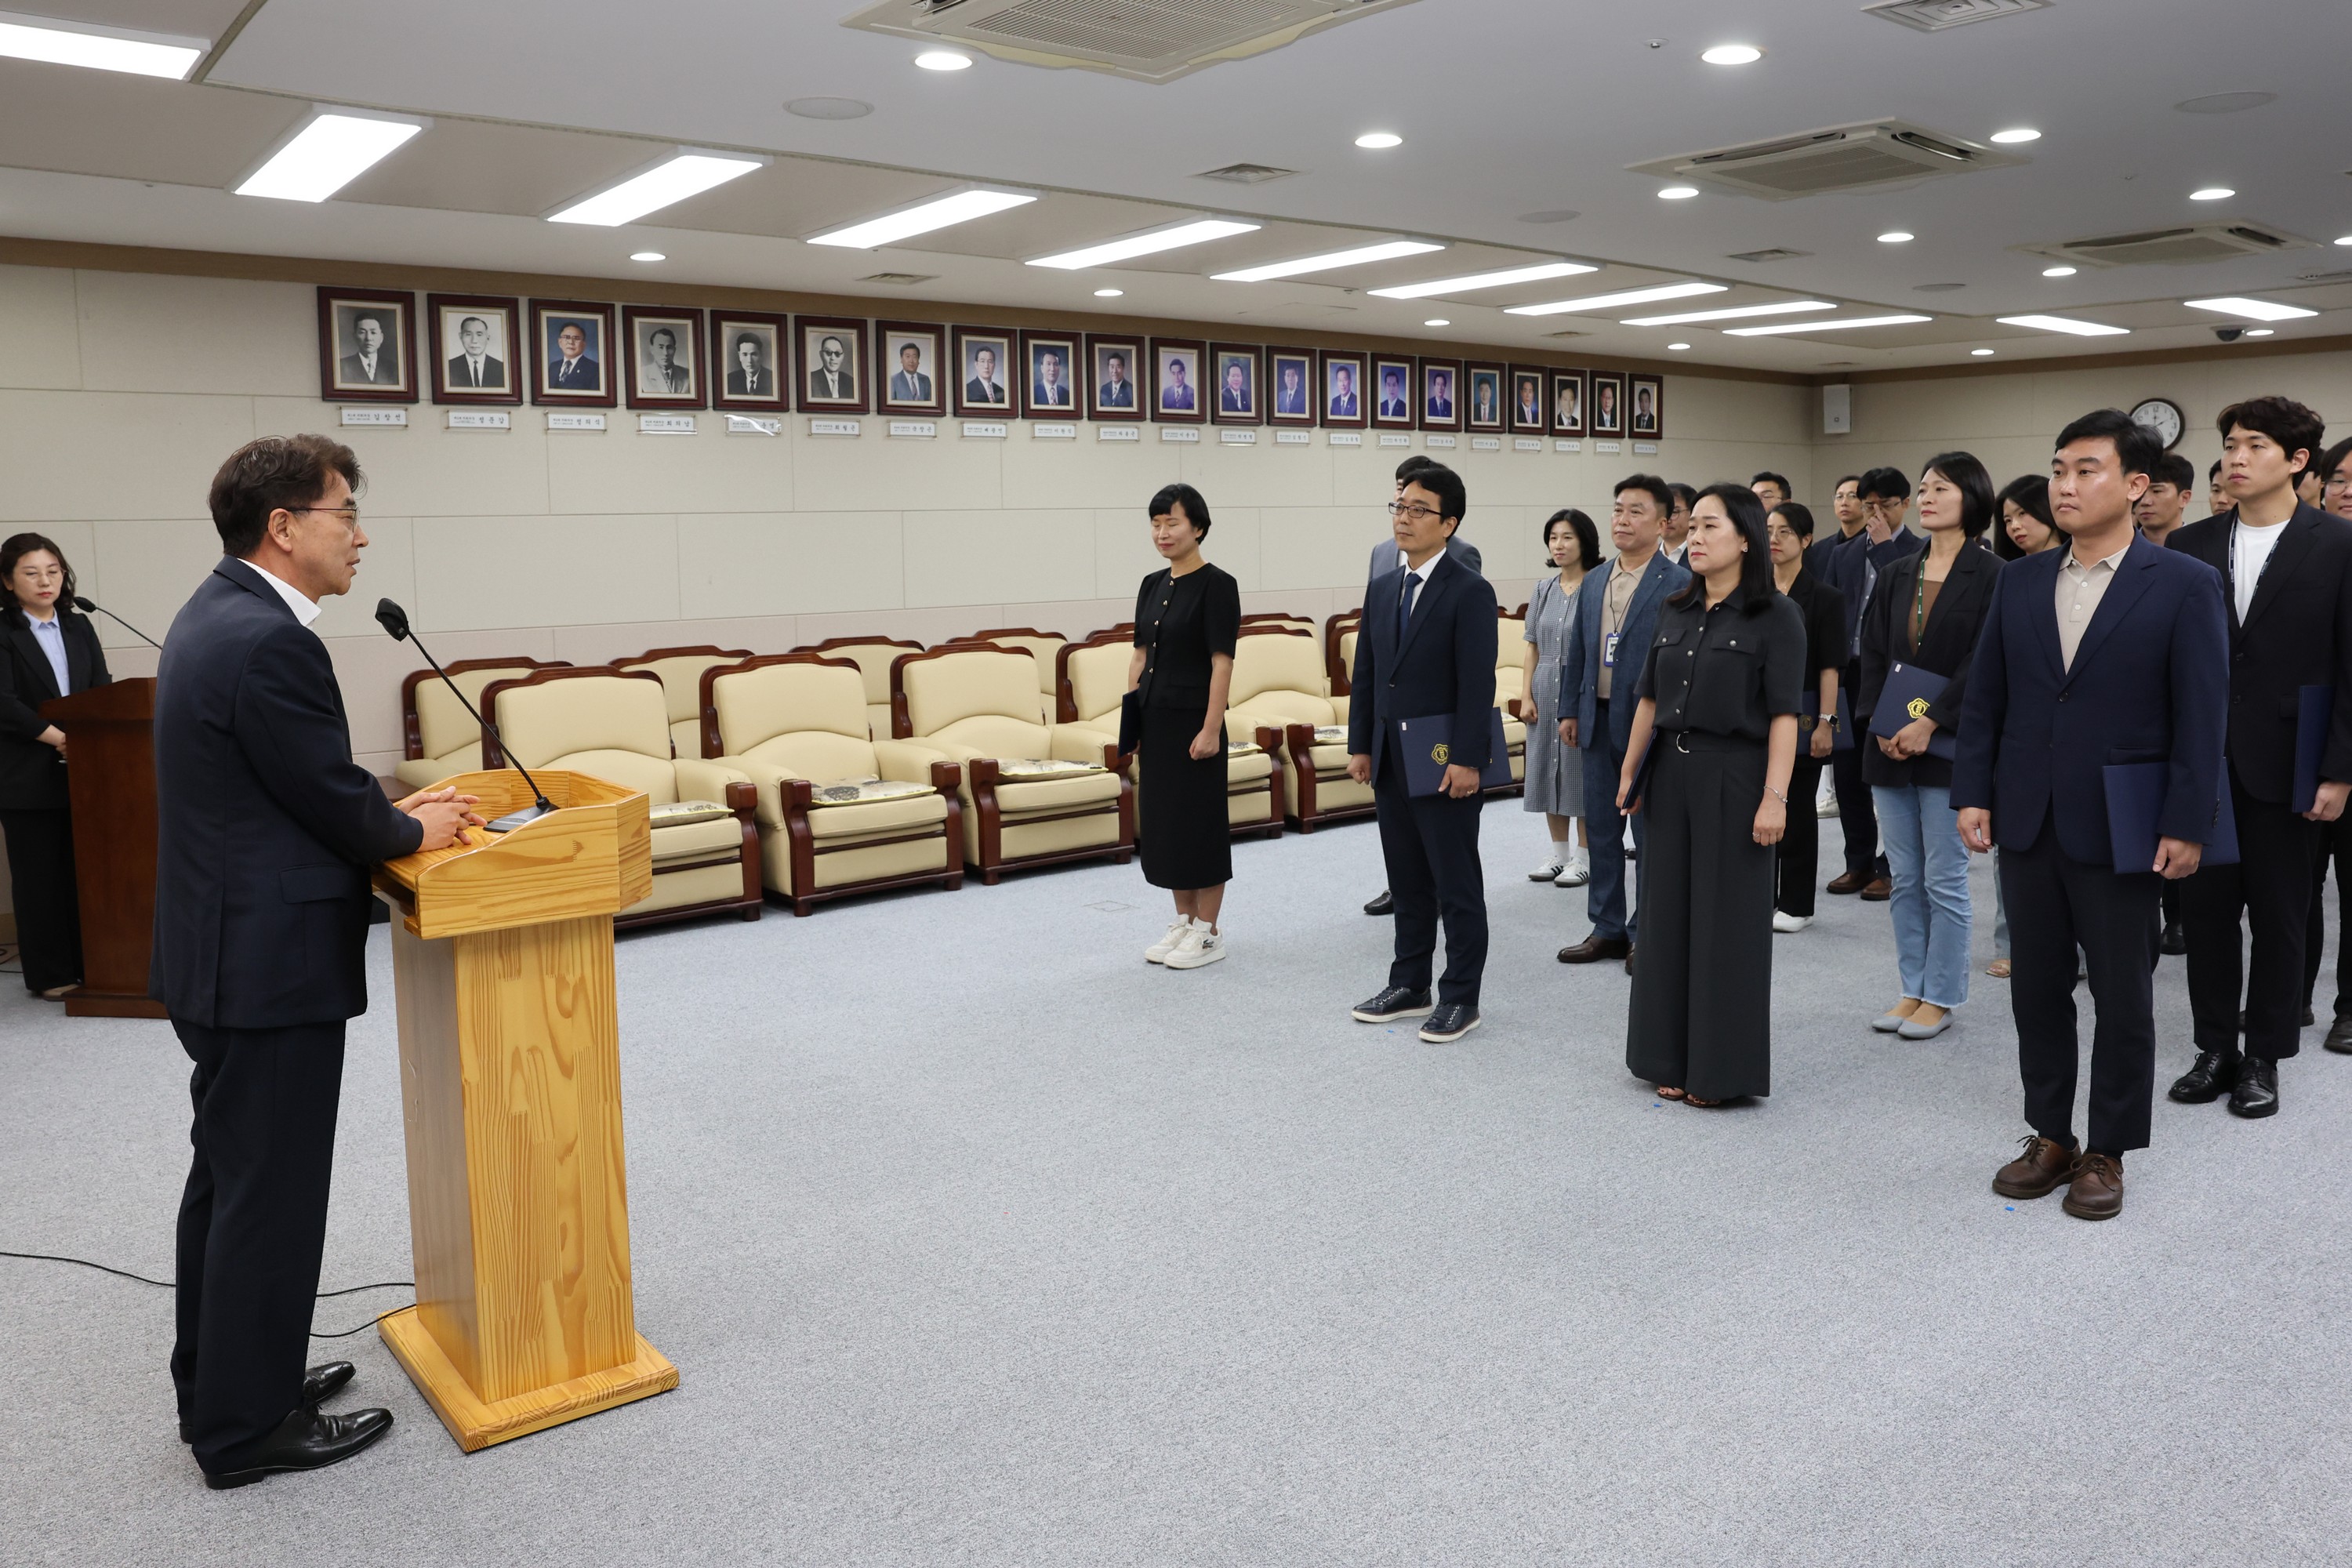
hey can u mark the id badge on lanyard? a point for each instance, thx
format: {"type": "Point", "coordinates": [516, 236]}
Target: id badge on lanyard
{"type": "Point", "coordinates": [1609, 649]}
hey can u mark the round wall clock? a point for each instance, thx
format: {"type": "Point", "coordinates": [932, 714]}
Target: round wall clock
{"type": "Point", "coordinates": [2162, 415]}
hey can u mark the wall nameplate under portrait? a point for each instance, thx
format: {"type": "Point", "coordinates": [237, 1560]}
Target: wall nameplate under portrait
{"type": "Point", "coordinates": [750, 364]}
{"type": "Point", "coordinates": [367, 346]}
{"type": "Point", "coordinates": [571, 354]}
{"type": "Point", "coordinates": [474, 337]}
{"type": "Point", "coordinates": [665, 364]}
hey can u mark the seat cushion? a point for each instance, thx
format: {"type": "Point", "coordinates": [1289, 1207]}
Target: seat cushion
{"type": "Point", "coordinates": [899, 815]}
{"type": "Point", "coordinates": [678, 813]}
{"type": "Point", "coordinates": [696, 841]}
{"type": "Point", "coordinates": [1056, 794]}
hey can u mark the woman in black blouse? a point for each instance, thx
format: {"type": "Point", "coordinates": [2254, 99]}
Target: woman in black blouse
{"type": "Point", "coordinates": [1187, 620]}
{"type": "Point", "coordinates": [1790, 527]}
{"type": "Point", "coordinates": [1720, 690]}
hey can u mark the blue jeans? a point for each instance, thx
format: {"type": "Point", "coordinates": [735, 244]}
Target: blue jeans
{"type": "Point", "coordinates": [1929, 866]}
{"type": "Point", "coordinates": [1604, 897]}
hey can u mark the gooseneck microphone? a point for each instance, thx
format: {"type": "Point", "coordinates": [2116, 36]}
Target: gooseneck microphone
{"type": "Point", "coordinates": [395, 619]}
{"type": "Point", "coordinates": [92, 608]}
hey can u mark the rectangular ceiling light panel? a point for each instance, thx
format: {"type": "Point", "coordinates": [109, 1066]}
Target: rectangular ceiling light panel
{"type": "Point", "coordinates": [1784, 307]}
{"type": "Point", "coordinates": [1388, 250]}
{"type": "Point", "coordinates": [1483, 281]}
{"type": "Point", "coordinates": [2066, 324]}
{"type": "Point", "coordinates": [940, 212]}
{"type": "Point", "coordinates": [99, 48]}
{"type": "Point", "coordinates": [1779, 327]}
{"type": "Point", "coordinates": [328, 152]}
{"type": "Point", "coordinates": [1150, 242]}
{"type": "Point", "coordinates": [2251, 309]}
{"type": "Point", "coordinates": [686, 173]}
{"type": "Point", "coordinates": [1609, 301]}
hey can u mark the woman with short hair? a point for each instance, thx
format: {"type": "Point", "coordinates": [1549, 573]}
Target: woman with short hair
{"type": "Point", "coordinates": [1555, 781]}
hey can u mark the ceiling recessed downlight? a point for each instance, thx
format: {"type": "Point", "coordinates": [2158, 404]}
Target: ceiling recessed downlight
{"type": "Point", "coordinates": [2212, 194]}
{"type": "Point", "coordinates": [2057, 272]}
{"type": "Point", "coordinates": [1677, 192]}
{"type": "Point", "coordinates": [1437, 321]}
{"type": "Point", "coordinates": [943, 60]}
{"type": "Point", "coordinates": [1897, 236]}
{"type": "Point", "coordinates": [1677, 348]}
{"type": "Point", "coordinates": [1732, 314]}
{"type": "Point", "coordinates": [1980, 353]}
{"type": "Point", "coordinates": [1592, 302]}
{"type": "Point", "coordinates": [647, 256]}
{"type": "Point", "coordinates": [2066, 324]}
{"type": "Point", "coordinates": [689, 172]}
{"type": "Point", "coordinates": [1732, 55]}
{"type": "Point", "coordinates": [2010, 138]}
{"type": "Point", "coordinates": [2251, 309]}
{"type": "Point", "coordinates": [2259, 331]}
{"type": "Point", "coordinates": [331, 150]}
{"type": "Point", "coordinates": [1483, 281]}
{"type": "Point", "coordinates": [100, 48]}
{"type": "Point", "coordinates": [1375, 140]}
{"type": "Point", "coordinates": [1150, 242]}
{"type": "Point", "coordinates": [1779, 327]}
{"type": "Point", "coordinates": [1357, 255]}
{"type": "Point", "coordinates": [1109, 293]}
{"type": "Point", "coordinates": [939, 212]}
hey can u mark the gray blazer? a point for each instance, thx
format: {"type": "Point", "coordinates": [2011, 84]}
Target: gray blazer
{"type": "Point", "coordinates": [1579, 661]}
{"type": "Point", "coordinates": [1458, 550]}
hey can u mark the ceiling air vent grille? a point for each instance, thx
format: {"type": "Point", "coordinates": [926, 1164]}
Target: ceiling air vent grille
{"type": "Point", "coordinates": [1935, 15]}
{"type": "Point", "coordinates": [1150, 41]}
{"type": "Point", "coordinates": [900, 280]}
{"type": "Point", "coordinates": [2186, 244]}
{"type": "Point", "coordinates": [1841, 158]}
{"type": "Point", "coordinates": [1771, 253]}
{"type": "Point", "coordinates": [1246, 174]}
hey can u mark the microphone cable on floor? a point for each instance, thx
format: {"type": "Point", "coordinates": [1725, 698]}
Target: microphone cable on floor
{"type": "Point", "coordinates": [169, 1285]}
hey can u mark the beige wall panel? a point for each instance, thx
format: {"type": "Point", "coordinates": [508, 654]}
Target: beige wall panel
{"type": "Point", "coordinates": [151, 568]}
{"type": "Point", "coordinates": [999, 557]}
{"type": "Point", "coordinates": [623, 471]}
{"type": "Point", "coordinates": [1070, 617]}
{"type": "Point", "coordinates": [387, 571]}
{"type": "Point", "coordinates": [153, 333]}
{"type": "Point", "coordinates": [40, 344]}
{"type": "Point", "coordinates": [427, 469]}
{"type": "Point", "coordinates": [543, 571]}
{"type": "Point", "coordinates": [1262, 475]}
{"type": "Point", "coordinates": [101, 455]}
{"type": "Point", "coordinates": [1085, 472]}
{"type": "Point", "coordinates": [1779, 416]}
{"type": "Point", "coordinates": [787, 564]}
{"type": "Point", "coordinates": [928, 625]}
{"type": "Point", "coordinates": [1931, 412]}
{"type": "Point", "coordinates": [1124, 555]}
{"type": "Point", "coordinates": [1314, 547]}
{"type": "Point", "coordinates": [834, 473]}
{"type": "Point", "coordinates": [627, 639]}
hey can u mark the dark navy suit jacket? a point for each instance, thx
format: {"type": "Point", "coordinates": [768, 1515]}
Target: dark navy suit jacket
{"type": "Point", "coordinates": [267, 828]}
{"type": "Point", "coordinates": [1445, 664]}
{"type": "Point", "coordinates": [2150, 683]}
{"type": "Point", "coordinates": [1850, 563]}
{"type": "Point", "coordinates": [1579, 661]}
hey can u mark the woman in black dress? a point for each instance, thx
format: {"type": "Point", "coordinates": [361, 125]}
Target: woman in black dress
{"type": "Point", "coordinates": [1187, 620]}
{"type": "Point", "coordinates": [1720, 689]}
{"type": "Point", "coordinates": [46, 650]}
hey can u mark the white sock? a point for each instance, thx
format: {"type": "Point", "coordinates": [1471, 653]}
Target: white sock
{"type": "Point", "coordinates": [1560, 849]}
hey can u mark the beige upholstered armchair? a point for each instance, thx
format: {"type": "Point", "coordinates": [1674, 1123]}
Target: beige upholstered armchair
{"type": "Point", "coordinates": [872, 655]}
{"type": "Point", "coordinates": [680, 672]}
{"type": "Point", "coordinates": [1032, 793]}
{"type": "Point", "coordinates": [1285, 622]}
{"type": "Point", "coordinates": [1280, 684]}
{"type": "Point", "coordinates": [438, 736]}
{"type": "Point", "coordinates": [1510, 689]}
{"type": "Point", "coordinates": [839, 812]}
{"type": "Point", "coordinates": [1093, 679]}
{"type": "Point", "coordinates": [615, 725]}
{"type": "Point", "coordinates": [1339, 650]}
{"type": "Point", "coordinates": [1046, 648]}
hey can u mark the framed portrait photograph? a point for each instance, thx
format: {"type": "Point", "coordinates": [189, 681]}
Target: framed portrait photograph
{"type": "Point", "coordinates": [571, 354]}
{"type": "Point", "coordinates": [1340, 382]}
{"type": "Point", "coordinates": [1648, 417]}
{"type": "Point", "coordinates": [1568, 403]}
{"type": "Point", "coordinates": [983, 372]}
{"type": "Point", "coordinates": [1483, 399]}
{"type": "Point", "coordinates": [908, 354]}
{"type": "Point", "coordinates": [1440, 394]}
{"type": "Point", "coordinates": [367, 346]}
{"type": "Point", "coordinates": [1291, 384]}
{"type": "Point", "coordinates": [665, 357]}
{"type": "Point", "coordinates": [1047, 360]}
{"type": "Point", "coordinates": [1177, 396]}
{"type": "Point", "coordinates": [473, 337]}
{"type": "Point", "coordinates": [1237, 368]}
{"type": "Point", "coordinates": [831, 379]}
{"type": "Point", "coordinates": [1605, 414]}
{"type": "Point", "coordinates": [1529, 417]}
{"type": "Point", "coordinates": [748, 369]}
{"type": "Point", "coordinates": [1393, 384]}
{"type": "Point", "coordinates": [1113, 364]}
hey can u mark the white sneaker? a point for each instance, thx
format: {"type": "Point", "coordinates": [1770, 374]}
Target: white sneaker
{"type": "Point", "coordinates": [1170, 940]}
{"type": "Point", "coordinates": [1789, 924]}
{"type": "Point", "coordinates": [1575, 874]}
{"type": "Point", "coordinates": [1201, 945]}
{"type": "Point", "coordinates": [1548, 871]}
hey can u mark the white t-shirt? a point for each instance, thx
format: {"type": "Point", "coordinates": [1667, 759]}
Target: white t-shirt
{"type": "Point", "coordinates": [2249, 551]}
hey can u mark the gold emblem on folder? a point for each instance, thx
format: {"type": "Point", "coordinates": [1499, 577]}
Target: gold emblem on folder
{"type": "Point", "coordinates": [1916, 707]}
{"type": "Point", "coordinates": [1439, 752]}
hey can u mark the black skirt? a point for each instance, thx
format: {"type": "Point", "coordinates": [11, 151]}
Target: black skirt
{"type": "Point", "coordinates": [1187, 841]}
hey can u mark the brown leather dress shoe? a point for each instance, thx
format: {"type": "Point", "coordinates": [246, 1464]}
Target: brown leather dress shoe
{"type": "Point", "coordinates": [1849, 882]}
{"type": "Point", "coordinates": [2098, 1189]}
{"type": "Point", "coordinates": [1593, 949]}
{"type": "Point", "coordinates": [1880, 889]}
{"type": "Point", "coordinates": [1629, 960]}
{"type": "Point", "coordinates": [2043, 1167]}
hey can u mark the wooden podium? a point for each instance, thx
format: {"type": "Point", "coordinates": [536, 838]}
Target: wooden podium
{"type": "Point", "coordinates": [510, 1090]}
{"type": "Point", "coordinates": [111, 782]}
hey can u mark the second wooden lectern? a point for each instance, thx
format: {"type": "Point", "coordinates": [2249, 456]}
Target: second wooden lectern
{"type": "Point", "coordinates": [510, 1089]}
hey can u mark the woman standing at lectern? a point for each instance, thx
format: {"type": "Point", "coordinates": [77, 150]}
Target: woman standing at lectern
{"type": "Point", "coordinates": [51, 651]}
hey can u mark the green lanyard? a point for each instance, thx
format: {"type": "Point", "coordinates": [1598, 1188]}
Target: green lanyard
{"type": "Point", "coordinates": [1919, 605]}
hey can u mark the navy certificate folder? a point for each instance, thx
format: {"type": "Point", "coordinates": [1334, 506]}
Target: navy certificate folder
{"type": "Point", "coordinates": [1425, 745]}
{"type": "Point", "coordinates": [1908, 692]}
{"type": "Point", "coordinates": [2134, 796]}
{"type": "Point", "coordinates": [2314, 707]}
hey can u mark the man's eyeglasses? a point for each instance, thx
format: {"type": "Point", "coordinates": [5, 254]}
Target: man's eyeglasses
{"type": "Point", "coordinates": [1414, 510]}
{"type": "Point", "coordinates": [349, 515]}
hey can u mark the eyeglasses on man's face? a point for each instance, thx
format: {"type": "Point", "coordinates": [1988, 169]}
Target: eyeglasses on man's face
{"type": "Point", "coordinates": [1413, 511]}
{"type": "Point", "coordinates": [349, 516]}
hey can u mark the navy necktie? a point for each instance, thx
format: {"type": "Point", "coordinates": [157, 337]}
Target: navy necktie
{"type": "Point", "coordinates": [1404, 604]}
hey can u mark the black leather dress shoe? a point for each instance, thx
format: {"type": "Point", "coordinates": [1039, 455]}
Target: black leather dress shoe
{"type": "Point", "coordinates": [1449, 1023]}
{"type": "Point", "coordinates": [2210, 1079]}
{"type": "Point", "coordinates": [1393, 1003]}
{"type": "Point", "coordinates": [2174, 942]}
{"type": "Point", "coordinates": [1383, 905]}
{"type": "Point", "coordinates": [2339, 1035]}
{"type": "Point", "coordinates": [2256, 1094]}
{"type": "Point", "coordinates": [321, 1384]}
{"type": "Point", "coordinates": [304, 1440]}
{"type": "Point", "coordinates": [1593, 949]}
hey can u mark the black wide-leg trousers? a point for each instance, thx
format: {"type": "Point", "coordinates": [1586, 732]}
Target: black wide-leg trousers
{"type": "Point", "coordinates": [253, 1224]}
{"type": "Point", "coordinates": [2270, 884]}
{"type": "Point", "coordinates": [1431, 845]}
{"type": "Point", "coordinates": [49, 905]}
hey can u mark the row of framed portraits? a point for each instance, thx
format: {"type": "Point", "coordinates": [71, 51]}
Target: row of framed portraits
{"type": "Point", "coordinates": [483, 349]}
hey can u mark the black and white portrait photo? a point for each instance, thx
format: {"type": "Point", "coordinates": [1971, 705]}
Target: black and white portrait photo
{"type": "Point", "coordinates": [1178, 397]}
{"type": "Point", "coordinates": [1607, 410]}
{"type": "Point", "coordinates": [1236, 383]}
{"type": "Point", "coordinates": [908, 356]}
{"type": "Point", "coordinates": [983, 358]}
{"type": "Point", "coordinates": [571, 361]}
{"type": "Point", "coordinates": [1111, 365]}
{"type": "Point", "coordinates": [747, 361]}
{"type": "Point", "coordinates": [474, 348]}
{"type": "Point", "coordinates": [831, 379]}
{"type": "Point", "coordinates": [665, 360]}
{"type": "Point", "coordinates": [1485, 409]}
{"type": "Point", "coordinates": [1050, 389]}
{"type": "Point", "coordinates": [1291, 373]}
{"type": "Point", "coordinates": [367, 346]}
{"type": "Point", "coordinates": [1568, 403]}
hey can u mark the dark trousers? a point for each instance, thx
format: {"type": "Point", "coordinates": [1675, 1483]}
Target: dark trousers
{"type": "Point", "coordinates": [1604, 895]}
{"type": "Point", "coordinates": [2335, 843]}
{"type": "Point", "coordinates": [2270, 885]}
{"type": "Point", "coordinates": [48, 907]}
{"type": "Point", "coordinates": [1701, 1015]}
{"type": "Point", "coordinates": [2056, 904]}
{"type": "Point", "coordinates": [1856, 813]}
{"type": "Point", "coordinates": [1431, 845]}
{"type": "Point", "coordinates": [253, 1223]}
{"type": "Point", "coordinates": [1800, 846]}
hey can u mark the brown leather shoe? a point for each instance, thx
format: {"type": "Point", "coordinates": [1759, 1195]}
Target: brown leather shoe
{"type": "Point", "coordinates": [1629, 960]}
{"type": "Point", "coordinates": [1593, 949]}
{"type": "Point", "coordinates": [1850, 882]}
{"type": "Point", "coordinates": [2043, 1167]}
{"type": "Point", "coordinates": [1879, 892]}
{"type": "Point", "coordinates": [2098, 1189]}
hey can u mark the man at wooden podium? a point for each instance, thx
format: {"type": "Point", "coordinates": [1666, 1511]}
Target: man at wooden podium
{"type": "Point", "coordinates": [266, 832]}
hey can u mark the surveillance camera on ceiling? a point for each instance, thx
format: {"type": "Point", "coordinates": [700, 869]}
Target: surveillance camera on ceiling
{"type": "Point", "coordinates": [2228, 334]}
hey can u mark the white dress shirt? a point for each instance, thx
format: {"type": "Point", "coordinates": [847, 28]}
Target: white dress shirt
{"type": "Point", "coordinates": [2249, 551]}
{"type": "Point", "coordinates": [305, 608]}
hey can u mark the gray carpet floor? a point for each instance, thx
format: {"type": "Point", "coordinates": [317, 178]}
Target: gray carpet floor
{"type": "Point", "coordinates": [978, 1241]}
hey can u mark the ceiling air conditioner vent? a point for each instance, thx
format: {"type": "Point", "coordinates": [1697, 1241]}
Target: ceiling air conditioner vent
{"type": "Point", "coordinates": [902, 279]}
{"type": "Point", "coordinates": [1771, 253]}
{"type": "Point", "coordinates": [1935, 15]}
{"type": "Point", "coordinates": [1246, 174]}
{"type": "Point", "coordinates": [1149, 40]}
{"type": "Point", "coordinates": [2188, 244]}
{"type": "Point", "coordinates": [1841, 158]}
